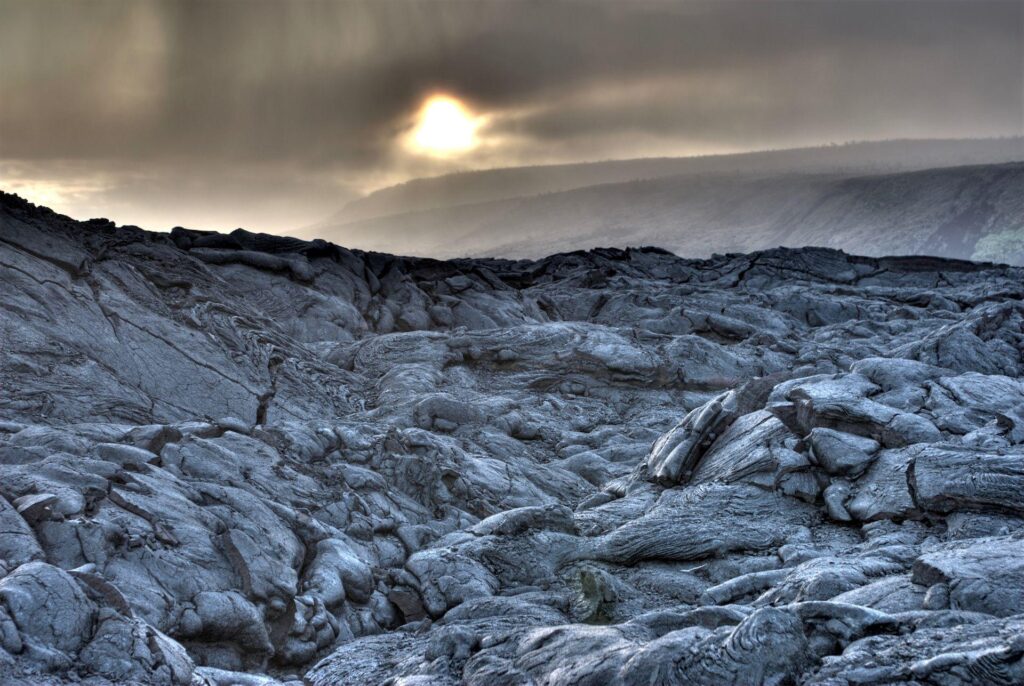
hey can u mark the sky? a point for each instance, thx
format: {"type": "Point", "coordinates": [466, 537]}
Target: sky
{"type": "Point", "coordinates": [270, 115]}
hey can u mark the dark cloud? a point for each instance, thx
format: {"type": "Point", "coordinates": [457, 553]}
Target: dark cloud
{"type": "Point", "coordinates": [318, 92]}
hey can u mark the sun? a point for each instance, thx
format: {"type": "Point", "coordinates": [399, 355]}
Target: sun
{"type": "Point", "coordinates": [444, 127]}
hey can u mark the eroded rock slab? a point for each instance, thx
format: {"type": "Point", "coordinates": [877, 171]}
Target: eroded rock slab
{"type": "Point", "coordinates": [248, 459]}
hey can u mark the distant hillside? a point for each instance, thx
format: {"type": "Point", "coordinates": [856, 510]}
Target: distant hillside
{"type": "Point", "coordinates": [968, 212]}
{"type": "Point", "coordinates": [482, 186]}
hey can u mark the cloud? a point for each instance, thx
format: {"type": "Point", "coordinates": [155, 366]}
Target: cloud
{"type": "Point", "coordinates": [270, 197]}
{"type": "Point", "coordinates": [320, 92]}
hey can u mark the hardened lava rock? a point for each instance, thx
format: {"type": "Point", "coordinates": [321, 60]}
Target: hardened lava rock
{"type": "Point", "coordinates": [245, 459]}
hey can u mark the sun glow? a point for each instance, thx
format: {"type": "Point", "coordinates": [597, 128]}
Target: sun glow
{"type": "Point", "coordinates": [444, 127]}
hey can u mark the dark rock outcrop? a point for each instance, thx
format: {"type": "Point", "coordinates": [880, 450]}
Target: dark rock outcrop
{"type": "Point", "coordinates": [251, 459]}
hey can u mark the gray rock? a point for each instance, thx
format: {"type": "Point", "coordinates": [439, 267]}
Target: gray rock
{"type": "Point", "coordinates": [706, 521]}
{"type": "Point", "coordinates": [128, 650]}
{"type": "Point", "coordinates": [946, 479]}
{"type": "Point", "coordinates": [883, 492]}
{"type": "Point", "coordinates": [842, 454]}
{"type": "Point", "coordinates": [985, 575]}
{"type": "Point", "coordinates": [18, 543]}
{"type": "Point", "coordinates": [985, 652]}
{"type": "Point", "coordinates": [265, 456]}
{"type": "Point", "coordinates": [47, 606]}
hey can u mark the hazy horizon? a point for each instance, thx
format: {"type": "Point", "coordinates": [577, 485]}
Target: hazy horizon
{"type": "Point", "coordinates": [309, 230]}
{"type": "Point", "coordinates": [272, 116]}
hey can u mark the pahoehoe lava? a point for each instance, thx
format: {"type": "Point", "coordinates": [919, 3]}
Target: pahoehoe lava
{"type": "Point", "coordinates": [247, 459]}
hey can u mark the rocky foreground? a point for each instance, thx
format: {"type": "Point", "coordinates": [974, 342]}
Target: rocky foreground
{"type": "Point", "coordinates": [245, 459]}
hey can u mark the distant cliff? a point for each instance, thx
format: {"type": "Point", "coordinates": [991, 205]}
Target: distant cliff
{"type": "Point", "coordinates": [864, 157]}
{"type": "Point", "coordinates": [965, 212]}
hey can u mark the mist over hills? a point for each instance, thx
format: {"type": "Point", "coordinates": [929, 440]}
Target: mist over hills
{"type": "Point", "coordinates": [725, 204]}
{"type": "Point", "coordinates": [494, 184]}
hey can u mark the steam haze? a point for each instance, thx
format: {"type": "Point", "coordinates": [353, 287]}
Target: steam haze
{"type": "Point", "coordinates": [271, 115]}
